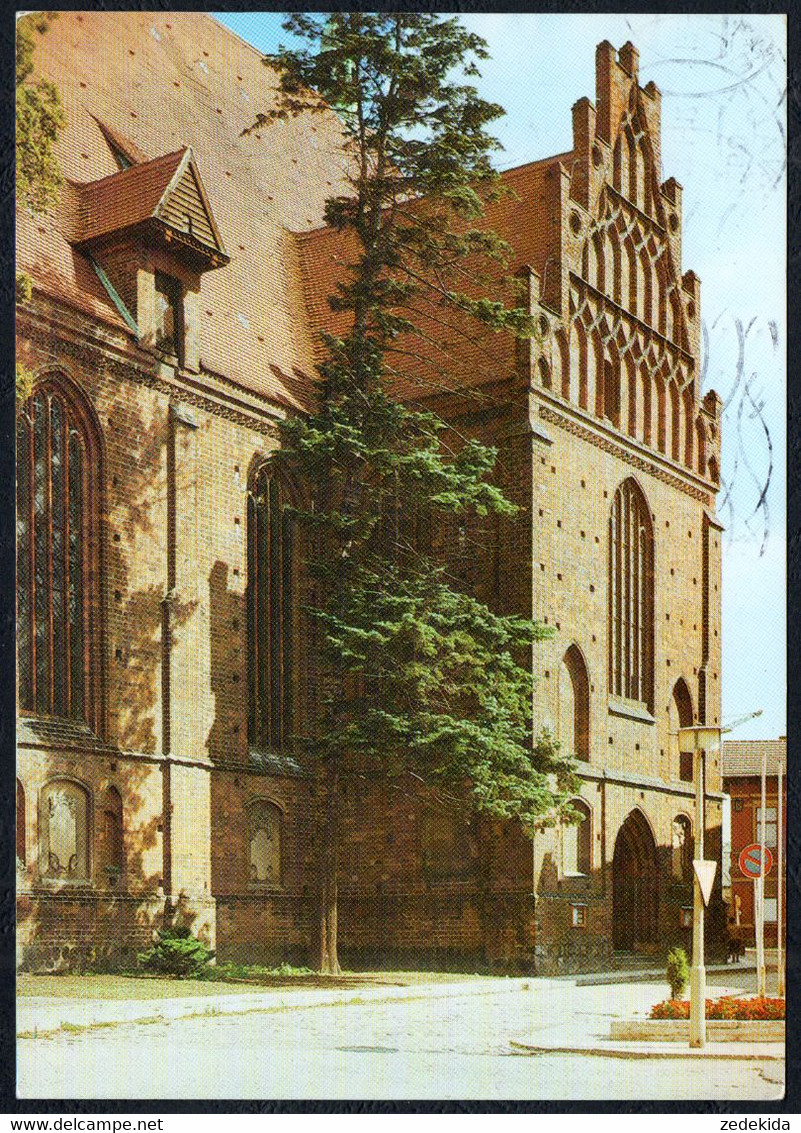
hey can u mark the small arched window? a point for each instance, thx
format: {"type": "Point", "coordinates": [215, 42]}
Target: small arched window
{"type": "Point", "coordinates": [577, 841]}
{"type": "Point", "coordinates": [270, 603]}
{"type": "Point", "coordinates": [21, 854]}
{"type": "Point", "coordinates": [264, 842]}
{"type": "Point", "coordinates": [680, 715]}
{"type": "Point", "coordinates": [631, 596]}
{"type": "Point", "coordinates": [612, 393]}
{"type": "Point", "coordinates": [111, 837]}
{"type": "Point", "coordinates": [682, 850]}
{"type": "Point", "coordinates": [574, 705]}
{"type": "Point", "coordinates": [64, 831]}
{"type": "Point", "coordinates": [58, 483]}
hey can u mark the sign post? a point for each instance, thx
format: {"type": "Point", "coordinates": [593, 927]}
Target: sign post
{"type": "Point", "coordinates": [704, 739]}
{"type": "Point", "coordinates": [761, 883]}
{"type": "Point", "coordinates": [780, 846]}
{"type": "Point", "coordinates": [755, 862]}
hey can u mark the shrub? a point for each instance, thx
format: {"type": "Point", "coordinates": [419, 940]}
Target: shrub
{"type": "Point", "coordinates": [728, 1007]}
{"type": "Point", "coordinates": [678, 972]}
{"type": "Point", "coordinates": [176, 953]}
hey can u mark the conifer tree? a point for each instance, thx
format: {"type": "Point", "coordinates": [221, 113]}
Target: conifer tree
{"type": "Point", "coordinates": [424, 682]}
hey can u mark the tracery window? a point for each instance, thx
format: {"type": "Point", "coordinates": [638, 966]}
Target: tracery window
{"type": "Point", "coordinates": [631, 596]}
{"type": "Point", "coordinates": [64, 832]}
{"type": "Point", "coordinates": [270, 595]}
{"type": "Point", "coordinates": [264, 842]}
{"type": "Point", "coordinates": [58, 479]}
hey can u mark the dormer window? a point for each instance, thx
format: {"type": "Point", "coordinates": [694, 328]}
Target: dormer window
{"type": "Point", "coordinates": [150, 234]}
{"type": "Point", "coordinates": [169, 315]}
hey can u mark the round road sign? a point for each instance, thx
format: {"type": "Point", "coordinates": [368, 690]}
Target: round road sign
{"type": "Point", "coordinates": [756, 860]}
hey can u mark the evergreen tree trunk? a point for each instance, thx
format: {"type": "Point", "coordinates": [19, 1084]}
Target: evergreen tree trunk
{"type": "Point", "coordinates": [327, 959]}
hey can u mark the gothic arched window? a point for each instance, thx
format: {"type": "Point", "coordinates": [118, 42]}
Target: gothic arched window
{"type": "Point", "coordinates": [574, 705]}
{"type": "Point", "coordinates": [680, 715]}
{"type": "Point", "coordinates": [58, 478]}
{"type": "Point", "coordinates": [64, 831]}
{"type": "Point", "coordinates": [270, 598]}
{"type": "Point", "coordinates": [264, 842]}
{"type": "Point", "coordinates": [111, 844]}
{"type": "Point", "coordinates": [631, 596]}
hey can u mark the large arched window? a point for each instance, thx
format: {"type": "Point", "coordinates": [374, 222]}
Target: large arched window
{"type": "Point", "coordinates": [577, 841]}
{"type": "Point", "coordinates": [631, 596]}
{"type": "Point", "coordinates": [64, 831]}
{"type": "Point", "coordinates": [58, 478]}
{"type": "Point", "coordinates": [270, 599]}
{"type": "Point", "coordinates": [574, 705]}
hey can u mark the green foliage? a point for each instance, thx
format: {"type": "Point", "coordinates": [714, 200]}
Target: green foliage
{"type": "Point", "coordinates": [177, 953]}
{"type": "Point", "coordinates": [424, 678]}
{"type": "Point", "coordinates": [678, 972]}
{"type": "Point", "coordinates": [39, 118]}
{"type": "Point", "coordinates": [24, 383]}
{"type": "Point", "coordinates": [254, 973]}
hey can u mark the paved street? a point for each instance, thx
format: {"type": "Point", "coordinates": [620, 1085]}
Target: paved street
{"type": "Point", "coordinates": [451, 1047]}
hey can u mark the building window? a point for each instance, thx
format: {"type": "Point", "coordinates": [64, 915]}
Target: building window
{"type": "Point", "coordinates": [770, 825]}
{"type": "Point", "coordinates": [169, 314]}
{"type": "Point", "coordinates": [680, 715]}
{"type": "Point", "coordinates": [264, 842]}
{"type": "Point", "coordinates": [111, 844]}
{"type": "Point", "coordinates": [631, 596]}
{"type": "Point", "coordinates": [682, 855]}
{"type": "Point", "coordinates": [574, 705]}
{"type": "Point", "coordinates": [612, 393]}
{"type": "Point", "coordinates": [770, 910]}
{"type": "Point", "coordinates": [686, 916]}
{"type": "Point", "coordinates": [64, 832]}
{"type": "Point", "coordinates": [577, 842]}
{"type": "Point", "coordinates": [270, 597]}
{"type": "Point", "coordinates": [579, 916]}
{"type": "Point", "coordinates": [21, 855]}
{"type": "Point", "coordinates": [57, 546]}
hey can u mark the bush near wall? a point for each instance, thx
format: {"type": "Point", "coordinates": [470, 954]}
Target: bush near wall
{"type": "Point", "coordinates": [728, 1007]}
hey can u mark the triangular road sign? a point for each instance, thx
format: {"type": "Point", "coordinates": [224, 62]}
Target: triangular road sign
{"type": "Point", "coordinates": [705, 872]}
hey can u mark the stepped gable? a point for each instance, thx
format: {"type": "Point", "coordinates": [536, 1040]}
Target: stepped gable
{"type": "Point", "coordinates": [150, 84]}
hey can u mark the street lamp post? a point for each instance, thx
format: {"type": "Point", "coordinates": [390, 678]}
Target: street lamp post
{"type": "Point", "coordinates": [705, 739]}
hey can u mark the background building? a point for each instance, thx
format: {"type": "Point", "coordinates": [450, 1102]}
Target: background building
{"type": "Point", "coordinates": [742, 779]}
{"type": "Point", "coordinates": [163, 661]}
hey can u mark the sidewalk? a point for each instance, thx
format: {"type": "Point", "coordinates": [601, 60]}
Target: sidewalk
{"type": "Point", "coordinates": [49, 1013]}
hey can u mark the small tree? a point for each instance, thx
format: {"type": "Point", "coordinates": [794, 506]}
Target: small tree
{"type": "Point", "coordinates": [678, 972]}
{"type": "Point", "coordinates": [423, 680]}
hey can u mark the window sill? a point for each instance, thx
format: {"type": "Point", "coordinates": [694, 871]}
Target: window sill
{"type": "Point", "coordinates": [630, 710]}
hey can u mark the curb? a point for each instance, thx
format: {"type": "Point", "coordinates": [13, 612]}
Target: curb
{"type": "Point", "coordinates": [649, 975]}
{"type": "Point", "coordinates": [652, 1051]}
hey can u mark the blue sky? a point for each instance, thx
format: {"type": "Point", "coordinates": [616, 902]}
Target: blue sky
{"type": "Point", "coordinates": [723, 83]}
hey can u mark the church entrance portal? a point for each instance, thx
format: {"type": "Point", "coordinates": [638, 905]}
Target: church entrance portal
{"type": "Point", "coordinates": [634, 886]}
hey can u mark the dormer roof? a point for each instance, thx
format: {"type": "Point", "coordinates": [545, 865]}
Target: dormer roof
{"type": "Point", "coordinates": [165, 195]}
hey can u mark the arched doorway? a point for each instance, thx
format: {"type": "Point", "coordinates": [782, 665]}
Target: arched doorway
{"type": "Point", "coordinates": [634, 885]}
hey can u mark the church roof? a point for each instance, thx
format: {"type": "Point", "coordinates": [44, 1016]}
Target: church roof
{"type": "Point", "coordinates": [151, 83]}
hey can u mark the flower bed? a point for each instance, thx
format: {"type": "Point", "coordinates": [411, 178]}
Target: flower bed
{"type": "Point", "coordinates": [728, 1007]}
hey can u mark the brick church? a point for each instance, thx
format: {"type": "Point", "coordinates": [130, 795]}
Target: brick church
{"type": "Point", "coordinates": [178, 290]}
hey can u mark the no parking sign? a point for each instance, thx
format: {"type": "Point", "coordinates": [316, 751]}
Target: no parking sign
{"type": "Point", "coordinates": [756, 861]}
